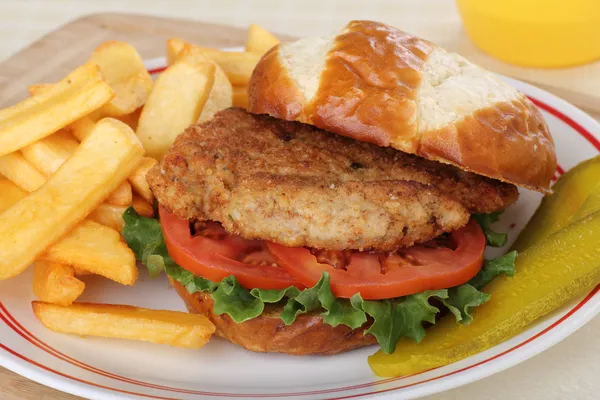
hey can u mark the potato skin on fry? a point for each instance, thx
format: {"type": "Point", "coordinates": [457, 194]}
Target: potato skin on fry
{"type": "Point", "coordinates": [126, 322]}
{"type": "Point", "coordinates": [123, 69]}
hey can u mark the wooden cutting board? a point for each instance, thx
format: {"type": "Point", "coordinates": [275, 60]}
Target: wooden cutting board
{"type": "Point", "coordinates": [53, 56]}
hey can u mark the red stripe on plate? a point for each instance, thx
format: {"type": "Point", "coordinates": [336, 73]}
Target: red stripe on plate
{"type": "Point", "coordinates": [22, 357]}
{"type": "Point", "coordinates": [569, 121]}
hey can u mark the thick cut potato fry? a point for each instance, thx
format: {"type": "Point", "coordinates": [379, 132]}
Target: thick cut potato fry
{"type": "Point", "coordinates": [138, 179]}
{"type": "Point", "coordinates": [109, 215]}
{"type": "Point", "coordinates": [51, 152]}
{"type": "Point", "coordinates": [81, 272]}
{"type": "Point", "coordinates": [132, 119]}
{"type": "Point", "coordinates": [176, 102]}
{"type": "Point", "coordinates": [142, 207]}
{"type": "Point", "coordinates": [82, 127]}
{"type": "Point", "coordinates": [237, 65]}
{"type": "Point", "coordinates": [174, 47]}
{"type": "Point", "coordinates": [220, 96]}
{"type": "Point", "coordinates": [121, 196]}
{"type": "Point", "coordinates": [87, 244]}
{"type": "Point", "coordinates": [9, 194]}
{"type": "Point", "coordinates": [39, 88]}
{"type": "Point", "coordinates": [81, 92]}
{"type": "Point", "coordinates": [98, 249]}
{"type": "Point", "coordinates": [102, 161]}
{"type": "Point", "coordinates": [126, 322]}
{"type": "Point", "coordinates": [260, 40]}
{"type": "Point", "coordinates": [56, 283]}
{"type": "Point", "coordinates": [20, 171]}
{"type": "Point", "coordinates": [123, 69]}
{"type": "Point", "coordinates": [240, 96]}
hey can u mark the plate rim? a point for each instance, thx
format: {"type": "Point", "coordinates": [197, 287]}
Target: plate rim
{"type": "Point", "coordinates": [569, 114]}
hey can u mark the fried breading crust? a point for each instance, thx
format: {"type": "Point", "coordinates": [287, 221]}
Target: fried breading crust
{"type": "Point", "coordinates": [294, 184]}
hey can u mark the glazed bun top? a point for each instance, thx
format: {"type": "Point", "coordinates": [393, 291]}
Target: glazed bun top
{"type": "Point", "coordinates": [375, 83]}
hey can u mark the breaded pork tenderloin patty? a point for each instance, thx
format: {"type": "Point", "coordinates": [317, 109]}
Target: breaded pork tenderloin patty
{"type": "Point", "coordinates": [297, 185]}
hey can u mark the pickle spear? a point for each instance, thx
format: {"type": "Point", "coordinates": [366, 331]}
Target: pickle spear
{"type": "Point", "coordinates": [561, 207]}
{"type": "Point", "coordinates": [548, 274]}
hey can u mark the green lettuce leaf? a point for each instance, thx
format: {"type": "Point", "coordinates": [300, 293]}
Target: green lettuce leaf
{"type": "Point", "coordinates": [390, 319]}
{"type": "Point", "coordinates": [338, 311]}
{"type": "Point", "coordinates": [504, 265]}
{"type": "Point", "coordinates": [461, 299]}
{"type": "Point", "coordinates": [393, 319]}
{"type": "Point", "coordinates": [304, 302]}
{"type": "Point", "coordinates": [232, 299]}
{"type": "Point", "coordinates": [494, 239]}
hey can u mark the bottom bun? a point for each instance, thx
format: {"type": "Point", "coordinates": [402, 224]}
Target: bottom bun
{"type": "Point", "coordinates": [267, 333]}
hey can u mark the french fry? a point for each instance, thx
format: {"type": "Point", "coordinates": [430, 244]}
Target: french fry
{"type": "Point", "coordinates": [82, 127]}
{"type": "Point", "coordinates": [175, 103]}
{"type": "Point", "coordinates": [123, 69]}
{"type": "Point", "coordinates": [9, 194]}
{"type": "Point", "coordinates": [240, 96]}
{"type": "Point", "coordinates": [121, 196]}
{"type": "Point", "coordinates": [237, 65]}
{"type": "Point", "coordinates": [21, 172]}
{"type": "Point", "coordinates": [39, 88]}
{"type": "Point", "coordinates": [126, 322]}
{"type": "Point", "coordinates": [81, 272]}
{"type": "Point", "coordinates": [138, 179]}
{"type": "Point", "coordinates": [81, 92]}
{"type": "Point", "coordinates": [174, 47]}
{"type": "Point", "coordinates": [142, 207]}
{"type": "Point", "coordinates": [131, 119]}
{"type": "Point", "coordinates": [98, 249]}
{"type": "Point", "coordinates": [109, 215]}
{"type": "Point", "coordinates": [100, 164]}
{"type": "Point", "coordinates": [56, 283]}
{"type": "Point", "coordinates": [49, 153]}
{"type": "Point", "coordinates": [260, 40]}
{"type": "Point", "coordinates": [220, 96]}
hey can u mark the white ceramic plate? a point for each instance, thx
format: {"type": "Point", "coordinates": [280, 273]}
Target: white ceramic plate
{"type": "Point", "coordinates": [111, 369]}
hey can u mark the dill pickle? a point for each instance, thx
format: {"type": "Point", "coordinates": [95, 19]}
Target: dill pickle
{"type": "Point", "coordinates": [562, 207]}
{"type": "Point", "coordinates": [548, 274]}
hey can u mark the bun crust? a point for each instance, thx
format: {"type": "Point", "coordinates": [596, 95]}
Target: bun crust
{"type": "Point", "coordinates": [374, 83]}
{"type": "Point", "coordinates": [267, 333]}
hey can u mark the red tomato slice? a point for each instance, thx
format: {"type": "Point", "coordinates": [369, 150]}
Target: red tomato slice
{"type": "Point", "coordinates": [216, 258]}
{"type": "Point", "coordinates": [384, 276]}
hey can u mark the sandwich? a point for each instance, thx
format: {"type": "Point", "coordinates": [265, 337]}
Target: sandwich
{"type": "Point", "coordinates": [351, 203]}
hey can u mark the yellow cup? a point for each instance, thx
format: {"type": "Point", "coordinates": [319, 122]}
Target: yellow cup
{"type": "Point", "coordinates": [535, 33]}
